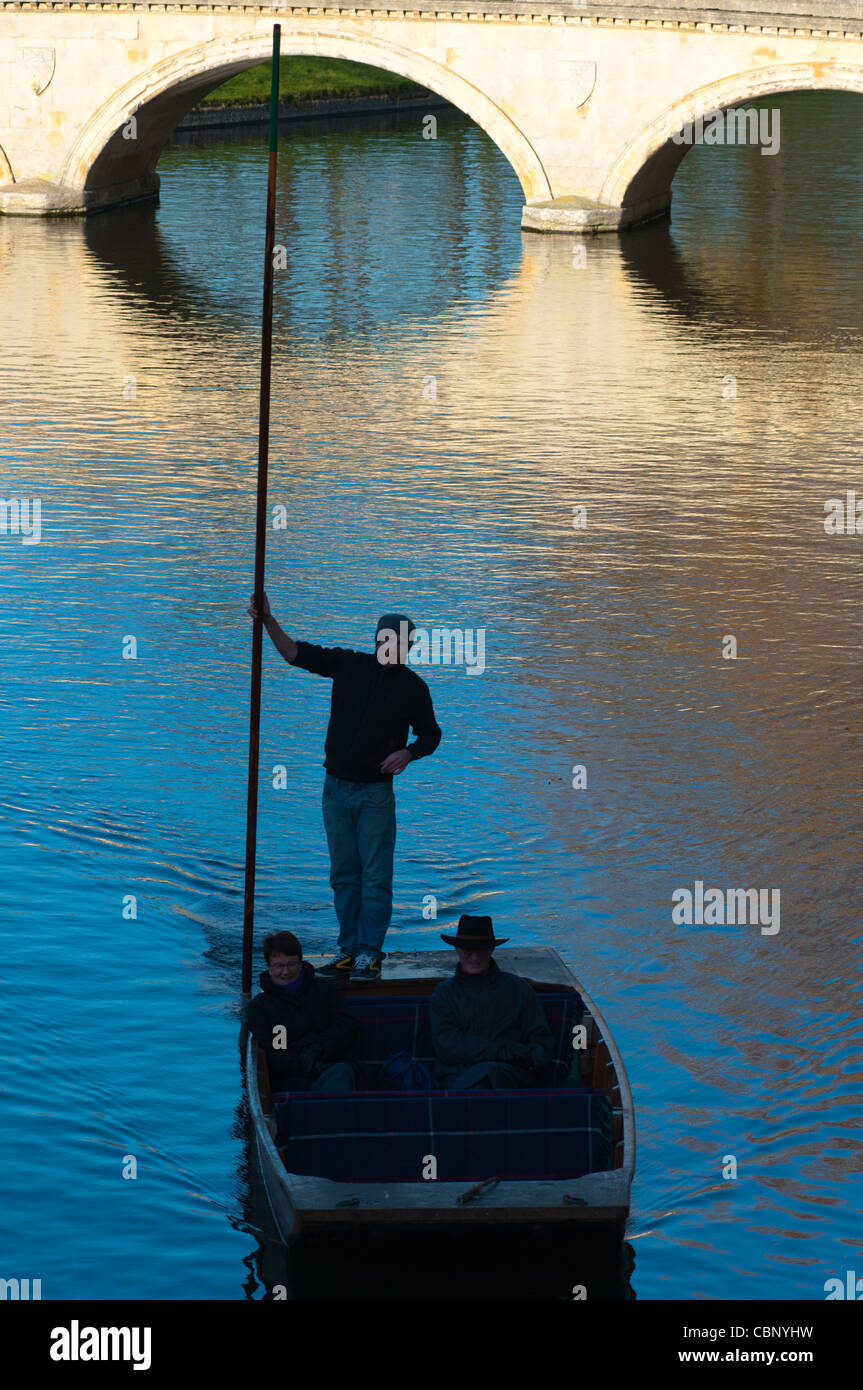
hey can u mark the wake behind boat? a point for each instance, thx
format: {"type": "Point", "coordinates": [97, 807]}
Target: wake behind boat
{"type": "Point", "coordinates": [555, 1155]}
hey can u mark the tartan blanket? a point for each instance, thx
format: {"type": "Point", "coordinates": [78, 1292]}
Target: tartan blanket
{"type": "Point", "coordinates": [388, 1025]}
{"type": "Point", "coordinates": [548, 1131]}
{"type": "Point", "coordinates": [374, 1136]}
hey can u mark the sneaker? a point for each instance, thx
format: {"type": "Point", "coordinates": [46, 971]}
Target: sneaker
{"type": "Point", "coordinates": [340, 968]}
{"type": "Point", "coordinates": [367, 967]}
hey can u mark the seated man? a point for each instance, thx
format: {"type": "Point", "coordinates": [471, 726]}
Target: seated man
{"type": "Point", "coordinates": [301, 1022]}
{"type": "Point", "coordinates": [488, 1028]}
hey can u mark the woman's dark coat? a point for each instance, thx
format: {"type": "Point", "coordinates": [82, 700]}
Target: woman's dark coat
{"type": "Point", "coordinates": [314, 1013]}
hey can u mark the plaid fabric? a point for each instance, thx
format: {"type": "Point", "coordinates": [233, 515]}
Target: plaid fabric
{"type": "Point", "coordinates": [388, 1025]}
{"type": "Point", "coordinates": [375, 1136]}
{"type": "Point", "coordinates": [378, 1136]}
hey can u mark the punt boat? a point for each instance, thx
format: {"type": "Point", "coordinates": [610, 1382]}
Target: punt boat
{"type": "Point", "coordinates": [557, 1155]}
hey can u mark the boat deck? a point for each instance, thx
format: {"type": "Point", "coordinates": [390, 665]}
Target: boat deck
{"type": "Point", "coordinates": [541, 965]}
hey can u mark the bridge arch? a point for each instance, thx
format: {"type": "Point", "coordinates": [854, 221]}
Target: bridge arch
{"type": "Point", "coordinates": [6, 175]}
{"type": "Point", "coordinates": [159, 98]}
{"type": "Point", "coordinates": [647, 165]}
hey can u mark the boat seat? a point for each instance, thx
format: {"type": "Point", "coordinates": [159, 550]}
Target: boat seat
{"type": "Point", "coordinates": [546, 1131]}
{"type": "Point", "coordinates": [374, 1136]}
{"type": "Point", "coordinates": [388, 1025]}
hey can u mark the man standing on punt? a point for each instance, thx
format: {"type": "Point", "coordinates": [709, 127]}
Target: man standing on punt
{"type": "Point", "coordinates": [375, 700]}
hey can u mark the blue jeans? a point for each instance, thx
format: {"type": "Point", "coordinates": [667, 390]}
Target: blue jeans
{"type": "Point", "coordinates": [360, 820]}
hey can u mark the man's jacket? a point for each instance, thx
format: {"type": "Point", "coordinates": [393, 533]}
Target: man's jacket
{"type": "Point", "coordinates": [493, 1017]}
{"type": "Point", "coordinates": [314, 1013]}
{"type": "Point", "coordinates": [371, 711]}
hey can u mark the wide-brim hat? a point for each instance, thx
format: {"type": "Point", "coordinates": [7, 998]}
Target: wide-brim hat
{"type": "Point", "coordinates": [476, 932]}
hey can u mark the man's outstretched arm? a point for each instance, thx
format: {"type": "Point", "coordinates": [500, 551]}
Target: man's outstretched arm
{"type": "Point", "coordinates": [284, 645]}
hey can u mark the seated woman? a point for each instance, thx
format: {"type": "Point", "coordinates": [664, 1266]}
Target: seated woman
{"type": "Point", "coordinates": [487, 1025]}
{"type": "Point", "coordinates": [301, 1022]}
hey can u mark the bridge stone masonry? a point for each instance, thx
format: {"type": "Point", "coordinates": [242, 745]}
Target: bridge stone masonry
{"type": "Point", "coordinates": [583, 99]}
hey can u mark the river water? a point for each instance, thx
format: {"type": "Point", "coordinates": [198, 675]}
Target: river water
{"type": "Point", "coordinates": [446, 390]}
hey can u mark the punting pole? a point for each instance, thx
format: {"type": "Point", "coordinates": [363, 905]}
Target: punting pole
{"type": "Point", "coordinates": [261, 533]}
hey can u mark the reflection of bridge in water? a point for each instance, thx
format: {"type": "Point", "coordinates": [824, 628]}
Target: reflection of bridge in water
{"type": "Point", "coordinates": [582, 99]}
{"type": "Point", "coordinates": [172, 312]}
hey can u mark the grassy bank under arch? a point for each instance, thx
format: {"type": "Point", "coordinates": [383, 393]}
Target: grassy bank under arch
{"type": "Point", "coordinates": [310, 79]}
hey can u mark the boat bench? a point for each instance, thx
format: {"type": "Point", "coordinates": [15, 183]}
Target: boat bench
{"type": "Point", "coordinates": [389, 1136]}
{"type": "Point", "coordinates": [547, 1131]}
{"type": "Point", "coordinates": [391, 1025]}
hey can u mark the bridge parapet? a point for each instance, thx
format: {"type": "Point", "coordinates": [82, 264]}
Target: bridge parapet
{"type": "Point", "coordinates": [584, 100]}
{"type": "Point", "coordinates": [821, 16]}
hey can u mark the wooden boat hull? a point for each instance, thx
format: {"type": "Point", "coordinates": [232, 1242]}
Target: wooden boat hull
{"type": "Point", "coordinates": [302, 1205]}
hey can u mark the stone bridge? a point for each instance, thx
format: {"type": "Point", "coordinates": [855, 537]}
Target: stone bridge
{"type": "Point", "coordinates": [582, 98]}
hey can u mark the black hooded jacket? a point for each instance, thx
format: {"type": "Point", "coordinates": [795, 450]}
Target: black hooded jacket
{"type": "Point", "coordinates": [371, 709]}
{"type": "Point", "coordinates": [314, 1013]}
